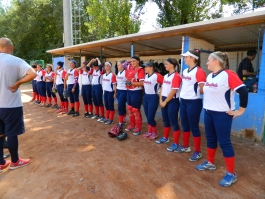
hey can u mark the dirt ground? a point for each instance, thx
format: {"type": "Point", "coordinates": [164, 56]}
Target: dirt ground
{"type": "Point", "coordinates": [75, 158]}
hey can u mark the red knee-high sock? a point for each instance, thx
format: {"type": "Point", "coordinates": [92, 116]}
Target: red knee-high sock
{"type": "Point", "coordinates": [97, 110]}
{"type": "Point", "coordinates": [197, 144]}
{"type": "Point", "coordinates": [149, 129]}
{"type": "Point", "coordinates": [230, 164]}
{"type": "Point", "coordinates": [186, 139]}
{"type": "Point", "coordinates": [62, 105]}
{"type": "Point", "coordinates": [38, 97]}
{"type": "Point", "coordinates": [66, 105]}
{"type": "Point", "coordinates": [101, 110]}
{"type": "Point", "coordinates": [153, 129]}
{"type": "Point", "coordinates": [111, 115]}
{"type": "Point", "coordinates": [166, 132]}
{"type": "Point", "coordinates": [91, 108]}
{"type": "Point", "coordinates": [176, 135]}
{"type": "Point", "coordinates": [44, 99]}
{"type": "Point", "coordinates": [86, 108]}
{"type": "Point", "coordinates": [49, 100]}
{"type": "Point", "coordinates": [55, 100]}
{"type": "Point", "coordinates": [77, 105]}
{"type": "Point", "coordinates": [107, 114]}
{"type": "Point", "coordinates": [72, 105]}
{"type": "Point", "coordinates": [120, 119]}
{"type": "Point", "coordinates": [34, 95]}
{"type": "Point", "coordinates": [210, 155]}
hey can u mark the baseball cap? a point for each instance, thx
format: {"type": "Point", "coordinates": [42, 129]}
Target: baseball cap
{"type": "Point", "coordinates": [149, 64]}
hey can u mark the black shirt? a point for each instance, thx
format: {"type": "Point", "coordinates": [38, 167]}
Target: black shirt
{"type": "Point", "coordinates": [245, 64]}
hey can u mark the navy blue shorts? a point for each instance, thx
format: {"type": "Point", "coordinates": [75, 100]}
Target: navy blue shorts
{"type": "Point", "coordinates": [11, 121]}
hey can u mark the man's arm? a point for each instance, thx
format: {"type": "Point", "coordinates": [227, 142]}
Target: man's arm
{"type": "Point", "coordinates": [246, 73]}
{"type": "Point", "coordinates": [30, 75]}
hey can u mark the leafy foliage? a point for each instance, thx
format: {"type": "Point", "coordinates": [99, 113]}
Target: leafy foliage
{"type": "Point", "coordinates": [110, 18]}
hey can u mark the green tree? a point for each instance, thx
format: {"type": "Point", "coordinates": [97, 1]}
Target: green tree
{"type": "Point", "coordinates": [111, 18]}
{"type": "Point", "coordinates": [34, 26]}
{"type": "Point", "coordinates": [242, 6]}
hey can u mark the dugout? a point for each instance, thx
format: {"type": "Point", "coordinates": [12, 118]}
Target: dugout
{"type": "Point", "coordinates": [235, 35]}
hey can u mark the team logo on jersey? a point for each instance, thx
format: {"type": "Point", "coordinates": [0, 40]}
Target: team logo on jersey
{"type": "Point", "coordinates": [186, 77]}
{"type": "Point", "coordinates": [107, 80]}
{"type": "Point", "coordinates": [211, 85]}
{"type": "Point", "coordinates": [147, 82]}
{"type": "Point", "coordinates": [121, 78]}
{"type": "Point", "coordinates": [167, 82]}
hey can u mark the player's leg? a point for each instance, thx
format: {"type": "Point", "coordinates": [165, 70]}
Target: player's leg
{"type": "Point", "coordinates": [146, 109]}
{"type": "Point", "coordinates": [95, 101]}
{"type": "Point", "coordinates": [110, 99]}
{"type": "Point", "coordinates": [131, 126]}
{"type": "Point", "coordinates": [76, 100]}
{"type": "Point", "coordinates": [137, 97]}
{"type": "Point", "coordinates": [49, 93]}
{"type": "Point", "coordinates": [84, 92]}
{"type": "Point", "coordinates": [89, 98]}
{"type": "Point", "coordinates": [72, 100]}
{"type": "Point", "coordinates": [152, 109]}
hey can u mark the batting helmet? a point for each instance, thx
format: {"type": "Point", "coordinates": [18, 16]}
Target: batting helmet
{"type": "Point", "coordinates": [122, 136]}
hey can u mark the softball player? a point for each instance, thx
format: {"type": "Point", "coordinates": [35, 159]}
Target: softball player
{"type": "Point", "coordinates": [97, 73]}
{"type": "Point", "coordinates": [109, 88]}
{"type": "Point", "coordinates": [72, 86]}
{"type": "Point", "coordinates": [41, 84]}
{"type": "Point", "coordinates": [152, 82]}
{"type": "Point", "coordinates": [49, 78]}
{"type": "Point", "coordinates": [219, 106]}
{"type": "Point", "coordinates": [121, 92]}
{"type": "Point", "coordinates": [135, 76]}
{"type": "Point", "coordinates": [86, 90]}
{"type": "Point", "coordinates": [193, 79]}
{"type": "Point", "coordinates": [59, 84]}
{"type": "Point", "coordinates": [169, 101]}
{"type": "Point", "coordinates": [34, 89]}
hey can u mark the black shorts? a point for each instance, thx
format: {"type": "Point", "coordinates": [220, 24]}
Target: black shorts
{"type": "Point", "coordinates": [11, 121]}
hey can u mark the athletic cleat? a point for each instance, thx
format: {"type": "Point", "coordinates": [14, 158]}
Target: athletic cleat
{"type": "Point", "coordinates": [153, 136]}
{"type": "Point", "coordinates": [146, 135]}
{"type": "Point", "coordinates": [85, 115]}
{"type": "Point", "coordinates": [71, 112]}
{"type": "Point", "coordinates": [173, 147]}
{"type": "Point", "coordinates": [37, 102]}
{"type": "Point", "coordinates": [89, 115]}
{"type": "Point", "coordinates": [183, 149]}
{"type": "Point", "coordinates": [196, 156]}
{"type": "Point", "coordinates": [60, 110]}
{"type": "Point", "coordinates": [108, 122]}
{"type": "Point", "coordinates": [76, 114]}
{"type": "Point", "coordinates": [64, 111]}
{"type": "Point", "coordinates": [5, 166]}
{"type": "Point", "coordinates": [129, 128]}
{"type": "Point", "coordinates": [19, 163]}
{"type": "Point", "coordinates": [95, 117]}
{"type": "Point", "coordinates": [42, 104]}
{"type": "Point", "coordinates": [55, 106]}
{"type": "Point", "coordinates": [228, 179]}
{"type": "Point", "coordinates": [136, 132]}
{"type": "Point", "coordinates": [102, 119]}
{"type": "Point", "coordinates": [48, 105]}
{"type": "Point", "coordinates": [205, 166]}
{"type": "Point", "coordinates": [162, 140]}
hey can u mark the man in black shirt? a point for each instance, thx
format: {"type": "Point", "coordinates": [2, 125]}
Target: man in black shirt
{"type": "Point", "coordinates": [245, 68]}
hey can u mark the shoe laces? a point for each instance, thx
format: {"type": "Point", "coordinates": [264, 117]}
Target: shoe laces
{"type": "Point", "coordinates": [228, 176]}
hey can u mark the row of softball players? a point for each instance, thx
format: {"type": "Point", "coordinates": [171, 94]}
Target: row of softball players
{"type": "Point", "coordinates": [218, 88]}
{"type": "Point", "coordinates": [42, 86]}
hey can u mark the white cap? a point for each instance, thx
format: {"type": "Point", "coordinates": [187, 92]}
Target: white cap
{"type": "Point", "coordinates": [188, 53]}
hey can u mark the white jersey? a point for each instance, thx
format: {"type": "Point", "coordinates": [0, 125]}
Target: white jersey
{"type": "Point", "coordinates": [219, 91]}
{"type": "Point", "coordinates": [171, 81]}
{"type": "Point", "coordinates": [72, 76]}
{"type": "Point", "coordinates": [12, 70]}
{"type": "Point", "coordinates": [107, 81]}
{"type": "Point", "coordinates": [190, 83]}
{"type": "Point", "coordinates": [121, 79]}
{"type": "Point", "coordinates": [60, 75]}
{"type": "Point", "coordinates": [96, 77]}
{"type": "Point", "coordinates": [86, 77]}
{"type": "Point", "coordinates": [40, 75]}
{"type": "Point", "coordinates": [49, 76]}
{"type": "Point", "coordinates": [152, 82]}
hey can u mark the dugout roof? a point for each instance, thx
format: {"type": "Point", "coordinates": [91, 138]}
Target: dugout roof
{"type": "Point", "coordinates": [233, 33]}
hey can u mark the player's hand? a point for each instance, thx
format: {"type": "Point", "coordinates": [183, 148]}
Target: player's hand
{"type": "Point", "coordinates": [163, 104]}
{"type": "Point", "coordinates": [235, 113]}
{"type": "Point", "coordinates": [13, 88]}
{"type": "Point", "coordinates": [128, 83]}
{"type": "Point", "coordinates": [114, 96]}
{"type": "Point", "coordinates": [73, 90]}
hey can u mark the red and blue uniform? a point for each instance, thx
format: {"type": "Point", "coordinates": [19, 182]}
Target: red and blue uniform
{"type": "Point", "coordinates": [108, 81]}
{"type": "Point", "coordinates": [134, 97]}
{"type": "Point", "coordinates": [72, 83]}
{"type": "Point", "coordinates": [170, 111]}
{"type": "Point", "coordinates": [60, 75]}
{"type": "Point", "coordinates": [41, 85]}
{"type": "Point", "coordinates": [87, 90]}
{"type": "Point", "coordinates": [121, 91]}
{"type": "Point", "coordinates": [191, 105]}
{"type": "Point", "coordinates": [97, 90]}
{"type": "Point", "coordinates": [219, 91]}
{"type": "Point", "coordinates": [49, 77]}
{"type": "Point", "coordinates": [151, 99]}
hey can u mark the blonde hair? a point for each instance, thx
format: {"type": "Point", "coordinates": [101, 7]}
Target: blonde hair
{"type": "Point", "coordinates": [49, 66]}
{"type": "Point", "coordinates": [222, 58]}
